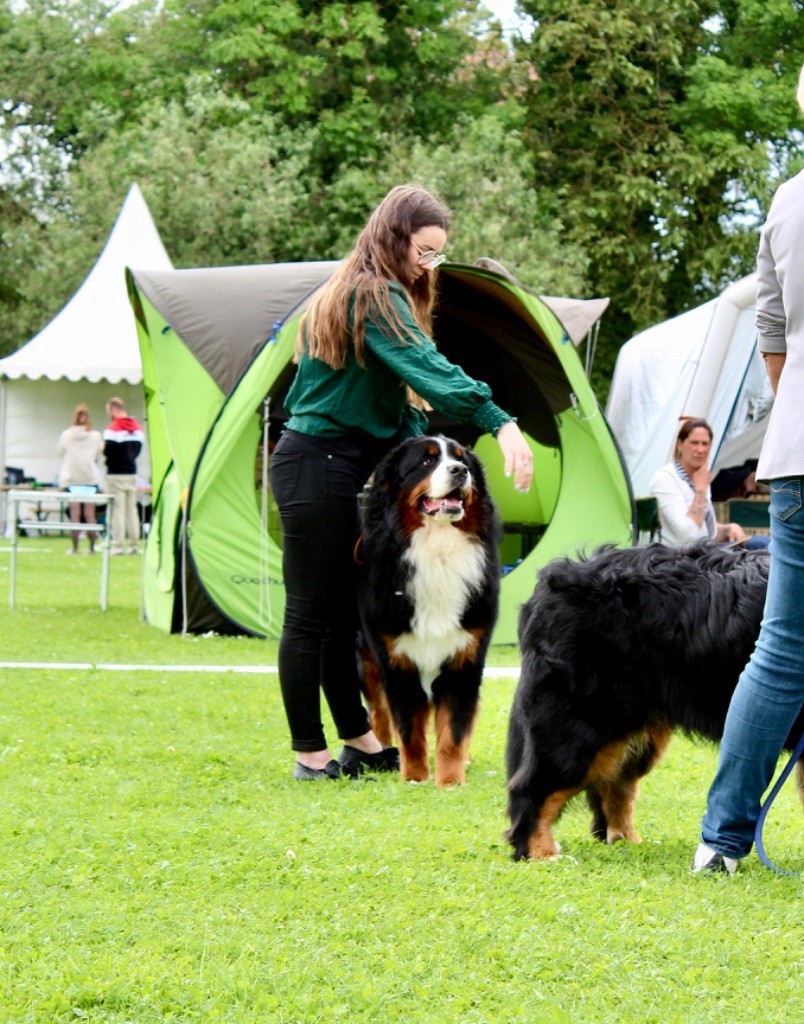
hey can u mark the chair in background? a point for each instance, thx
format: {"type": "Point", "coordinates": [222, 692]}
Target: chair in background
{"type": "Point", "coordinates": [753, 514]}
{"type": "Point", "coordinates": [649, 523]}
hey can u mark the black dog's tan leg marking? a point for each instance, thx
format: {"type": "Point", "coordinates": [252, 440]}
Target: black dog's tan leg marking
{"type": "Point", "coordinates": [659, 736]}
{"type": "Point", "coordinates": [414, 763]}
{"type": "Point", "coordinates": [618, 794]}
{"type": "Point", "coordinates": [377, 702]}
{"type": "Point", "coordinates": [542, 845]}
{"type": "Point", "coordinates": [640, 759]}
{"type": "Point", "coordinates": [618, 785]}
{"type": "Point", "coordinates": [618, 799]}
{"type": "Point", "coordinates": [603, 772]}
{"type": "Point", "coordinates": [451, 757]}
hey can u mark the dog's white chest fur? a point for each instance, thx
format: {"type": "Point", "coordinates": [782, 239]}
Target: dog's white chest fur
{"type": "Point", "coordinates": [447, 567]}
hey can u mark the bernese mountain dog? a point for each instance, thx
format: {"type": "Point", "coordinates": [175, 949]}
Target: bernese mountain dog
{"type": "Point", "coordinates": [619, 650]}
{"type": "Point", "coordinates": [428, 596]}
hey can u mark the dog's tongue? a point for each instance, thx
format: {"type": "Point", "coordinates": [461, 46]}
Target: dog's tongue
{"type": "Point", "coordinates": [442, 504]}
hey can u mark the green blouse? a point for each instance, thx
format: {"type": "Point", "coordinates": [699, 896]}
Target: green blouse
{"type": "Point", "coordinates": [330, 403]}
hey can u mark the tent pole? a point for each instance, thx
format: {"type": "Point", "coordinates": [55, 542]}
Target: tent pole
{"type": "Point", "coordinates": [4, 504]}
{"type": "Point", "coordinates": [184, 618]}
{"type": "Point", "coordinates": [265, 592]}
{"type": "Point", "coordinates": [591, 348]}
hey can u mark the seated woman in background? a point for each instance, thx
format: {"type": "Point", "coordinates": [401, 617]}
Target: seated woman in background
{"type": "Point", "coordinates": [681, 489]}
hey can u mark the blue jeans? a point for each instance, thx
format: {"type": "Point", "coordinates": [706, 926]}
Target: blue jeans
{"type": "Point", "coordinates": [770, 693]}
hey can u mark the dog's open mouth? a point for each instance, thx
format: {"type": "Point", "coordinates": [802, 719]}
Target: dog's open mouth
{"type": "Point", "coordinates": [451, 505]}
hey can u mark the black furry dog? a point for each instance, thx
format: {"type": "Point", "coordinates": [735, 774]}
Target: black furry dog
{"type": "Point", "coordinates": [618, 651]}
{"type": "Point", "coordinates": [428, 595]}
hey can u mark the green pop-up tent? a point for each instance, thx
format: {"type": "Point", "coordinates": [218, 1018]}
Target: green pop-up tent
{"type": "Point", "coordinates": [217, 347]}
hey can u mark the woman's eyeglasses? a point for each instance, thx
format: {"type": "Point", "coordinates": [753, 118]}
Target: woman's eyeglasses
{"type": "Point", "coordinates": [428, 256]}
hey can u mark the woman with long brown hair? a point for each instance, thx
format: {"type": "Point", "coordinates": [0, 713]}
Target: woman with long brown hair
{"type": "Point", "coordinates": [365, 360]}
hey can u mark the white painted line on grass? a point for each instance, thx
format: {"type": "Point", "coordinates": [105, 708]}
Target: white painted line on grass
{"type": "Point", "coordinates": [69, 665]}
{"type": "Point", "coordinates": [109, 667]}
{"type": "Point", "coordinates": [490, 673]}
{"type": "Point", "coordinates": [242, 669]}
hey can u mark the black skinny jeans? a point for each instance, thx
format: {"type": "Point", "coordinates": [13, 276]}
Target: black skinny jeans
{"type": "Point", "coordinates": [315, 483]}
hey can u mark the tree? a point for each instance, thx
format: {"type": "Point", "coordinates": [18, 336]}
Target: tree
{"type": "Point", "coordinates": [220, 193]}
{"type": "Point", "coordinates": [661, 124]}
{"type": "Point", "coordinates": [228, 186]}
{"type": "Point", "coordinates": [241, 121]}
{"type": "Point", "coordinates": [357, 70]}
{"type": "Point", "coordinates": [59, 61]}
{"type": "Point", "coordinates": [482, 171]}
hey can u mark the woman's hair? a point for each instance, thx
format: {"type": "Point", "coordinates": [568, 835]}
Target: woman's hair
{"type": "Point", "coordinates": [800, 90]}
{"type": "Point", "coordinates": [81, 417]}
{"type": "Point", "coordinates": [380, 255]}
{"type": "Point", "coordinates": [687, 428]}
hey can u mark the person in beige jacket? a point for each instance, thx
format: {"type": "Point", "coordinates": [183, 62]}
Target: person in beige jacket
{"type": "Point", "coordinates": [80, 447]}
{"type": "Point", "coordinates": [766, 709]}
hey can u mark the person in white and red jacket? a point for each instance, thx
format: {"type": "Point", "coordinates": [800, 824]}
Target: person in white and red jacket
{"type": "Point", "coordinates": [122, 443]}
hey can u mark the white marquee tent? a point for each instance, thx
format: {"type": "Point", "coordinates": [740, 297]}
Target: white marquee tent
{"type": "Point", "coordinates": [703, 363]}
{"type": "Point", "coordinates": [87, 353]}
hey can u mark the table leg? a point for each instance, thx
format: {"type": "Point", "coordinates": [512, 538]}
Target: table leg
{"type": "Point", "coordinates": [12, 575]}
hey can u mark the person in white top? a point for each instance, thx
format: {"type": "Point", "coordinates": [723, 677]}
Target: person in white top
{"type": "Point", "coordinates": [681, 489]}
{"type": "Point", "coordinates": [80, 447]}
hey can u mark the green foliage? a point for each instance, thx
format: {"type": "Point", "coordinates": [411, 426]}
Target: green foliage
{"type": "Point", "coordinates": [481, 170]}
{"type": "Point", "coordinates": [227, 186]}
{"type": "Point", "coordinates": [661, 124]}
{"type": "Point", "coordinates": [58, 59]}
{"type": "Point", "coordinates": [238, 121]}
{"type": "Point", "coordinates": [223, 185]}
{"type": "Point", "coordinates": [160, 865]}
{"type": "Point", "coordinates": [626, 149]}
{"type": "Point", "coordinates": [356, 70]}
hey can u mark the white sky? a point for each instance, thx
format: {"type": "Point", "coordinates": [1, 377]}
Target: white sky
{"type": "Point", "coordinates": [505, 12]}
{"type": "Point", "coordinates": [503, 9]}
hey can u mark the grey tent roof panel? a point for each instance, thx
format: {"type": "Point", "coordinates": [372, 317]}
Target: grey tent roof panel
{"type": "Point", "coordinates": [224, 315]}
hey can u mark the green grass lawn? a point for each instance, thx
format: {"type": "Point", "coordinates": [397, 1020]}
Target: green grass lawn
{"type": "Point", "coordinates": [160, 864]}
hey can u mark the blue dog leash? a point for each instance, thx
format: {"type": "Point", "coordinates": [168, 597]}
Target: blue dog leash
{"type": "Point", "coordinates": [797, 753]}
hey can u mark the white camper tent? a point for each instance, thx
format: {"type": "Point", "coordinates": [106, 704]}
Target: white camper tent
{"type": "Point", "coordinates": [87, 353]}
{"type": "Point", "coordinates": [704, 363]}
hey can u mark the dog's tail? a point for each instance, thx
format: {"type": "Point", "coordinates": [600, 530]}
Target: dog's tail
{"type": "Point", "coordinates": [522, 809]}
{"type": "Point", "coordinates": [522, 762]}
{"type": "Point", "coordinates": [548, 759]}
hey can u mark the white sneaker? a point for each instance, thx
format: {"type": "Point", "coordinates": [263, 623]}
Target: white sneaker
{"type": "Point", "coordinates": [712, 863]}
{"type": "Point", "coordinates": [71, 551]}
{"type": "Point", "coordinates": [117, 551]}
{"type": "Point", "coordinates": [133, 551]}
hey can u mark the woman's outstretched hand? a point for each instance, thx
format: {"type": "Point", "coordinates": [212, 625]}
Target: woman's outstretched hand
{"type": "Point", "coordinates": [517, 454]}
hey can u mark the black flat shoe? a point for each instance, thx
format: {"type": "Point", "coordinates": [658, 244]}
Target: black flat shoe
{"type": "Point", "coordinates": [331, 770]}
{"type": "Point", "coordinates": [353, 761]}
